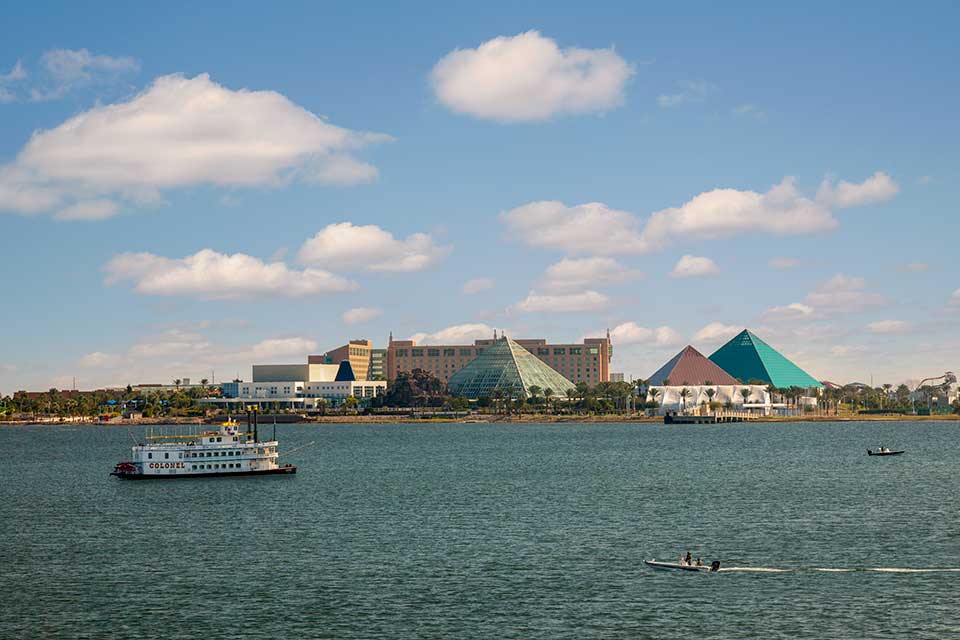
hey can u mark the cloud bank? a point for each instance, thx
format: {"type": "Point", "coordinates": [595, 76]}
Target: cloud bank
{"type": "Point", "coordinates": [210, 275]}
{"type": "Point", "coordinates": [180, 132]}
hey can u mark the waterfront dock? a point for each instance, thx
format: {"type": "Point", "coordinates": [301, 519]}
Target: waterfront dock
{"type": "Point", "coordinates": [710, 418]}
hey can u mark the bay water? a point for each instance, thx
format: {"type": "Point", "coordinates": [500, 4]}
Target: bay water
{"type": "Point", "coordinates": [492, 531]}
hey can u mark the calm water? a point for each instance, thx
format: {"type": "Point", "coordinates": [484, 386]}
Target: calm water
{"type": "Point", "coordinates": [484, 531]}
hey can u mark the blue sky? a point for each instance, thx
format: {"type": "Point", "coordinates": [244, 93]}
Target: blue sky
{"type": "Point", "coordinates": [193, 189]}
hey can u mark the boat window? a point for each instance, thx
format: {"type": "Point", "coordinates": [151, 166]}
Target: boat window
{"type": "Point", "coordinates": [166, 455]}
{"type": "Point", "coordinates": [219, 439]}
{"type": "Point", "coordinates": [150, 455]}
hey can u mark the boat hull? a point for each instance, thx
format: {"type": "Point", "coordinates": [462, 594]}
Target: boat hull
{"type": "Point", "coordinates": [884, 453]}
{"type": "Point", "coordinates": [676, 566]}
{"type": "Point", "coordinates": [279, 471]}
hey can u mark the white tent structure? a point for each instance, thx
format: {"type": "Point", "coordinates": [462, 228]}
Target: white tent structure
{"type": "Point", "coordinates": [670, 397]}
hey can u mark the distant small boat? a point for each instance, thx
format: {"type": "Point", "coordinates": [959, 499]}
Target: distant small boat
{"type": "Point", "coordinates": [883, 452]}
{"type": "Point", "coordinates": [678, 566]}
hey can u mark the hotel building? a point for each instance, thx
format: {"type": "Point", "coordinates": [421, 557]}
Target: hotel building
{"type": "Point", "coordinates": [358, 352]}
{"type": "Point", "coordinates": [588, 361]}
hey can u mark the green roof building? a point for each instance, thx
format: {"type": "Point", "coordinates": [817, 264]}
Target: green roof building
{"type": "Point", "coordinates": [505, 365]}
{"type": "Point", "coordinates": [747, 357]}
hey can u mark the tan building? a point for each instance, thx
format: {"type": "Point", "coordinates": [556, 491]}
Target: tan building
{"type": "Point", "coordinates": [358, 352]}
{"type": "Point", "coordinates": [588, 361]}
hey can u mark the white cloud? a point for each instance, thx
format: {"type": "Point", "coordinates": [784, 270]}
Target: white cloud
{"type": "Point", "coordinates": [750, 110]}
{"type": "Point", "coordinates": [691, 91]}
{"type": "Point", "coordinates": [359, 315]}
{"type": "Point", "coordinates": [783, 263]}
{"type": "Point", "coordinates": [69, 68]}
{"type": "Point", "coordinates": [16, 74]}
{"type": "Point", "coordinates": [181, 132]}
{"type": "Point", "coordinates": [631, 333]}
{"type": "Point", "coordinates": [563, 302]}
{"type": "Point", "coordinates": [716, 332]}
{"type": "Point", "coordinates": [173, 342]}
{"type": "Point", "coordinates": [694, 267]}
{"type": "Point", "coordinates": [877, 188]}
{"type": "Point", "coordinates": [586, 228]}
{"type": "Point", "coordinates": [279, 347]}
{"type": "Point", "coordinates": [843, 294]}
{"type": "Point", "coordinates": [98, 359]}
{"type": "Point", "coordinates": [888, 326]}
{"type": "Point", "coordinates": [347, 247]}
{"type": "Point", "coordinates": [456, 334]}
{"type": "Point", "coordinates": [595, 228]}
{"type": "Point", "coordinates": [89, 210]}
{"type": "Point", "coordinates": [842, 351]}
{"type": "Point", "coordinates": [791, 311]}
{"type": "Point", "coordinates": [723, 212]}
{"type": "Point", "coordinates": [528, 77]}
{"type": "Point", "coordinates": [955, 298]}
{"type": "Point", "coordinates": [476, 285]}
{"type": "Point", "coordinates": [211, 275]}
{"type": "Point", "coordinates": [573, 273]}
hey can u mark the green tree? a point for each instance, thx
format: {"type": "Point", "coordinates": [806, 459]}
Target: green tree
{"type": "Point", "coordinates": [547, 395]}
{"type": "Point", "coordinates": [684, 394]}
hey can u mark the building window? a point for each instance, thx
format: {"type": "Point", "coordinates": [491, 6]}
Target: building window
{"type": "Point", "coordinates": [559, 351]}
{"type": "Point", "coordinates": [416, 353]}
{"type": "Point", "coordinates": [449, 352]}
{"type": "Point", "coordinates": [594, 351]}
{"type": "Point", "coordinates": [466, 352]}
{"type": "Point", "coordinates": [575, 351]}
{"type": "Point", "coordinates": [433, 353]}
{"type": "Point", "coordinates": [543, 351]}
{"type": "Point", "coordinates": [401, 353]}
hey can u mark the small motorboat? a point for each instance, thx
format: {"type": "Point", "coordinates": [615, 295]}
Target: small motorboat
{"type": "Point", "coordinates": [682, 566]}
{"type": "Point", "coordinates": [883, 452]}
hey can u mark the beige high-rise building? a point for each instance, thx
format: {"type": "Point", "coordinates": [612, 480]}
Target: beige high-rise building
{"type": "Point", "coordinates": [588, 361]}
{"type": "Point", "coordinates": [356, 351]}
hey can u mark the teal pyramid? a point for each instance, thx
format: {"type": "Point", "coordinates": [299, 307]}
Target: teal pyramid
{"type": "Point", "coordinates": [747, 357]}
{"type": "Point", "coordinates": [505, 365]}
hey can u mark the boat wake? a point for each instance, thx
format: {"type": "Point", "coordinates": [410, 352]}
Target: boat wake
{"type": "Point", "coordinates": [843, 570]}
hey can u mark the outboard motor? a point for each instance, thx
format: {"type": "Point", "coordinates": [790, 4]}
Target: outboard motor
{"type": "Point", "coordinates": [715, 566]}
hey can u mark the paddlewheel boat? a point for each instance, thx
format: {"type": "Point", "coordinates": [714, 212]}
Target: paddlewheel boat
{"type": "Point", "coordinates": [204, 453]}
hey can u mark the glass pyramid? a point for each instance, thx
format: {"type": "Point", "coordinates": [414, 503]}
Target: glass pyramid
{"type": "Point", "coordinates": [505, 365]}
{"type": "Point", "coordinates": [747, 357]}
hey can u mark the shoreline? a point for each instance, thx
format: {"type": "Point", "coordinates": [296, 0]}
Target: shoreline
{"type": "Point", "coordinates": [481, 419]}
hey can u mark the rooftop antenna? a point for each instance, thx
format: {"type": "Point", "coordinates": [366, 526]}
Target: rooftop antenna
{"type": "Point", "coordinates": [494, 334]}
{"type": "Point", "coordinates": [391, 337]}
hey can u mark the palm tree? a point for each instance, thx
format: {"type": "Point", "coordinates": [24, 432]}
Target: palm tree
{"type": "Point", "coordinates": [683, 396]}
{"type": "Point", "coordinates": [534, 393]}
{"type": "Point", "coordinates": [710, 393]}
{"type": "Point", "coordinates": [176, 383]}
{"type": "Point", "coordinates": [547, 394]}
{"type": "Point", "coordinates": [655, 394]}
{"type": "Point", "coordinates": [745, 393]}
{"type": "Point", "coordinates": [497, 396]}
{"type": "Point", "coordinates": [204, 381]}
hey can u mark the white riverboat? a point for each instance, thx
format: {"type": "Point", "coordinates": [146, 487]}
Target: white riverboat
{"type": "Point", "coordinates": [225, 451]}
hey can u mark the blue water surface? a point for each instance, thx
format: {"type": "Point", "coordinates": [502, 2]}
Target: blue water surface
{"type": "Point", "coordinates": [492, 531]}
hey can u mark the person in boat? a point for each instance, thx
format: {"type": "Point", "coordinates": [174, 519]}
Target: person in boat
{"type": "Point", "coordinates": [699, 562]}
{"type": "Point", "coordinates": [688, 560]}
